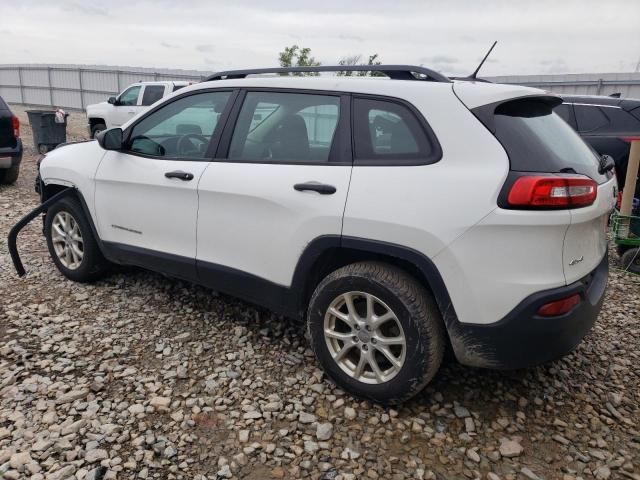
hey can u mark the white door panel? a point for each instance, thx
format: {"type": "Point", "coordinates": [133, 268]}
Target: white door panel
{"type": "Point", "coordinates": [251, 218]}
{"type": "Point", "coordinates": [137, 205]}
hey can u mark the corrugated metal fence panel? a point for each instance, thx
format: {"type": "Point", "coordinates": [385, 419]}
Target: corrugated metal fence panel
{"type": "Point", "coordinates": [36, 96]}
{"type": "Point", "coordinates": [627, 84]}
{"type": "Point", "coordinates": [67, 99]}
{"type": "Point", "coordinates": [9, 77]}
{"type": "Point", "coordinates": [10, 94]}
{"type": "Point", "coordinates": [129, 78]}
{"type": "Point", "coordinates": [100, 81]}
{"type": "Point", "coordinates": [65, 79]}
{"type": "Point", "coordinates": [35, 77]}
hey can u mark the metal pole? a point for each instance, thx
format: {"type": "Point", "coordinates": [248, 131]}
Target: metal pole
{"type": "Point", "coordinates": [629, 191]}
{"type": "Point", "coordinates": [50, 86]}
{"type": "Point", "coordinates": [81, 89]}
{"type": "Point", "coordinates": [118, 80]}
{"type": "Point", "coordinates": [599, 87]}
{"type": "Point", "coordinates": [20, 83]}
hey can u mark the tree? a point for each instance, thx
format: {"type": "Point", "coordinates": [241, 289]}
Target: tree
{"type": "Point", "coordinates": [355, 60]}
{"type": "Point", "coordinates": [294, 56]}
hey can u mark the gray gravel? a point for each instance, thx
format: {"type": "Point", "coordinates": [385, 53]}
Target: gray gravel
{"type": "Point", "coordinates": [140, 376]}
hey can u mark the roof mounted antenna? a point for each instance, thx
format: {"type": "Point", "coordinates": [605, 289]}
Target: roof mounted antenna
{"type": "Point", "coordinates": [475, 73]}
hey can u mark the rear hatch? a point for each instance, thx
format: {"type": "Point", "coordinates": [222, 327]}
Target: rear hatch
{"type": "Point", "coordinates": [7, 137]}
{"type": "Point", "coordinates": [541, 146]}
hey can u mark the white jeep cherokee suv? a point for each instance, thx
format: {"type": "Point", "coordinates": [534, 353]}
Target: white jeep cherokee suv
{"type": "Point", "coordinates": [134, 99]}
{"type": "Point", "coordinates": [397, 216]}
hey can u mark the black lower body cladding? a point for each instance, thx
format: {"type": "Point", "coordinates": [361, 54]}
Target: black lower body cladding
{"type": "Point", "coordinates": [524, 339]}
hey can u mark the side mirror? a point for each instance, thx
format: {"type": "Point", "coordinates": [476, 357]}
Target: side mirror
{"type": "Point", "coordinates": [110, 139]}
{"type": "Point", "coordinates": [112, 100]}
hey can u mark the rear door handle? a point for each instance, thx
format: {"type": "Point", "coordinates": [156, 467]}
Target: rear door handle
{"type": "Point", "coordinates": [185, 176]}
{"type": "Point", "coordinates": [321, 188]}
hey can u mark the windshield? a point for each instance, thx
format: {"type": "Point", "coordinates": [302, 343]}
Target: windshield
{"type": "Point", "coordinates": [538, 140]}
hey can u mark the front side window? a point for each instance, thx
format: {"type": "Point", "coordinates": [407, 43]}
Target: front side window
{"type": "Point", "coordinates": [388, 131]}
{"type": "Point", "coordinates": [129, 97]}
{"type": "Point", "coordinates": [285, 127]}
{"type": "Point", "coordinates": [152, 93]}
{"type": "Point", "coordinates": [180, 129]}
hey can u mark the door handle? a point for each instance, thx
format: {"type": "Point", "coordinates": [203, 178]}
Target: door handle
{"type": "Point", "coordinates": [321, 188]}
{"type": "Point", "coordinates": [185, 176]}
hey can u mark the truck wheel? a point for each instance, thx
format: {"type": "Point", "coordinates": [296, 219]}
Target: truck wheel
{"type": "Point", "coordinates": [10, 175]}
{"type": "Point", "coordinates": [71, 243]}
{"type": "Point", "coordinates": [376, 331]}
{"type": "Point", "coordinates": [97, 129]}
{"type": "Point", "coordinates": [631, 260]}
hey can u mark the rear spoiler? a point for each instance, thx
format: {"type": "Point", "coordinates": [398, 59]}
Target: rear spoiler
{"type": "Point", "coordinates": [486, 113]}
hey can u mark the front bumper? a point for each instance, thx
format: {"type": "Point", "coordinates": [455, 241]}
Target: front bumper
{"type": "Point", "coordinates": [524, 339]}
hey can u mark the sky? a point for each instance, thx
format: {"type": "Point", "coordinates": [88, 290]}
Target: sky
{"type": "Point", "coordinates": [534, 36]}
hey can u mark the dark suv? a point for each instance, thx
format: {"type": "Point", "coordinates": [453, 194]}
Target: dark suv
{"type": "Point", "coordinates": [10, 145]}
{"type": "Point", "coordinates": [604, 123]}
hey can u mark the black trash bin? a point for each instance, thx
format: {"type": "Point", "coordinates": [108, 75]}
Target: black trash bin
{"type": "Point", "coordinates": [47, 133]}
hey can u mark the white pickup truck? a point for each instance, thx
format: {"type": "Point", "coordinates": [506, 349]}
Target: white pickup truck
{"type": "Point", "coordinates": [134, 99]}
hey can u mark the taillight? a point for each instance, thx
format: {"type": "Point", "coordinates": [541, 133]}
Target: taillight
{"type": "Point", "coordinates": [15, 123]}
{"type": "Point", "coordinates": [559, 307]}
{"type": "Point", "coordinates": [552, 191]}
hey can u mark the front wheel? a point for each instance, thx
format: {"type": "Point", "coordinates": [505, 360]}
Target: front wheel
{"type": "Point", "coordinates": [71, 243]}
{"type": "Point", "coordinates": [96, 129]}
{"type": "Point", "coordinates": [376, 331]}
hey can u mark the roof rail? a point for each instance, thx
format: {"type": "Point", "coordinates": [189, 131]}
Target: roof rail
{"type": "Point", "coordinates": [395, 72]}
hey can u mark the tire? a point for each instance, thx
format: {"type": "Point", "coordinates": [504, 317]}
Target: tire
{"type": "Point", "coordinates": [631, 260]}
{"type": "Point", "coordinates": [10, 175]}
{"type": "Point", "coordinates": [92, 265]}
{"type": "Point", "coordinates": [412, 308]}
{"type": "Point", "coordinates": [97, 129]}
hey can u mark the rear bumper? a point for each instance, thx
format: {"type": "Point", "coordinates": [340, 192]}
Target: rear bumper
{"type": "Point", "coordinates": [524, 339]}
{"type": "Point", "coordinates": [10, 157]}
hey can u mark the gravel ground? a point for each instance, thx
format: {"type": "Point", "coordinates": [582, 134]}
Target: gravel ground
{"type": "Point", "coordinates": [140, 376]}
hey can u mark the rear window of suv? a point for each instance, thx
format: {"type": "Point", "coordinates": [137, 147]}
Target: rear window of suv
{"type": "Point", "coordinates": [538, 140]}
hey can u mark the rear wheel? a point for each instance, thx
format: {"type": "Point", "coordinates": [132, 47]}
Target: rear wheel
{"type": "Point", "coordinates": [71, 243]}
{"type": "Point", "coordinates": [10, 175]}
{"type": "Point", "coordinates": [631, 260]}
{"type": "Point", "coordinates": [376, 331]}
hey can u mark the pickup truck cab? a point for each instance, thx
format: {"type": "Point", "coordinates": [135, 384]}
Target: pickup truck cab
{"type": "Point", "coordinates": [132, 100]}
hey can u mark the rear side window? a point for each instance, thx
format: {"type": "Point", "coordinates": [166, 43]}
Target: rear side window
{"type": "Point", "coordinates": [590, 118]}
{"type": "Point", "coordinates": [285, 127]}
{"type": "Point", "coordinates": [152, 93]}
{"type": "Point", "coordinates": [386, 131]}
{"type": "Point", "coordinates": [620, 121]}
{"type": "Point", "coordinates": [538, 140]}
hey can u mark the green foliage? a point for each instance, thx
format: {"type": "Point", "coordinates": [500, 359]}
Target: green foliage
{"type": "Point", "coordinates": [294, 56]}
{"type": "Point", "coordinates": [355, 60]}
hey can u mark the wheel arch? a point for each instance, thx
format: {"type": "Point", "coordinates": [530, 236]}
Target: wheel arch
{"type": "Point", "coordinates": [326, 254]}
{"type": "Point", "coordinates": [51, 189]}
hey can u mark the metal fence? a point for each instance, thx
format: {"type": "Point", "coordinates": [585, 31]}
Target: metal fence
{"type": "Point", "coordinates": [76, 86]}
{"type": "Point", "coordinates": [626, 84]}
